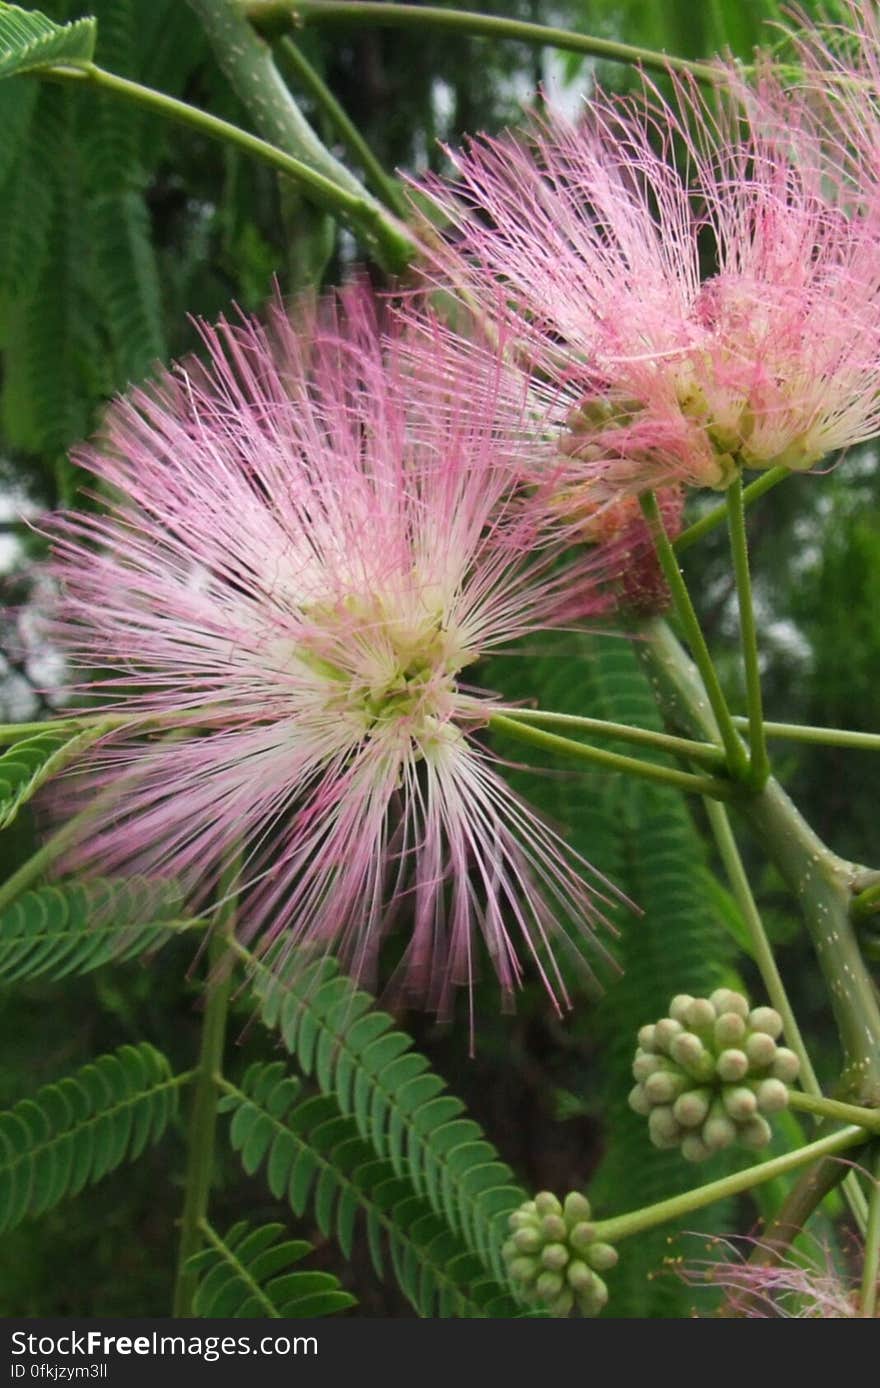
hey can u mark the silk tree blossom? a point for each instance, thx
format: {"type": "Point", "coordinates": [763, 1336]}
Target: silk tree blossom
{"type": "Point", "coordinates": [308, 543]}
{"type": "Point", "coordinates": [837, 73]}
{"type": "Point", "coordinates": [596, 233]}
{"type": "Point", "coordinates": [815, 1285]}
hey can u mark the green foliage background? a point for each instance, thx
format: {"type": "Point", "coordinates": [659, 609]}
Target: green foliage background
{"type": "Point", "coordinates": [114, 227]}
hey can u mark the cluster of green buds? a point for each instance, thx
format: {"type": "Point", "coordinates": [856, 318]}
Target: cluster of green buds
{"type": "Point", "coordinates": [709, 1072]}
{"type": "Point", "coordinates": [553, 1257]}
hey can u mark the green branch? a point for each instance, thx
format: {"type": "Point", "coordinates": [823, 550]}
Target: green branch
{"type": "Point", "coordinates": [178, 721]}
{"type": "Point", "coordinates": [613, 761]}
{"type": "Point", "coordinates": [833, 1109]}
{"type": "Point", "coordinates": [17, 732]}
{"type": "Point", "coordinates": [718, 515]}
{"type": "Point", "coordinates": [480, 25]}
{"type": "Point", "coordinates": [762, 952]}
{"type": "Point", "coordinates": [684, 608]}
{"type": "Point", "coordinates": [365, 216]}
{"type": "Point", "coordinates": [246, 60]}
{"type": "Point", "coordinates": [707, 753]}
{"type": "Point", "coordinates": [385, 186]}
{"type": "Point", "coordinates": [801, 1202]}
{"type": "Point", "coordinates": [826, 737]}
{"type": "Point", "coordinates": [867, 903]}
{"type": "Point", "coordinates": [871, 1269]}
{"type": "Point", "coordinates": [203, 1119]}
{"type": "Point", "coordinates": [759, 764]}
{"type": "Point", "coordinates": [821, 882]}
{"type": "Point", "coordinates": [813, 1101]}
{"type": "Point", "coordinates": [624, 1226]}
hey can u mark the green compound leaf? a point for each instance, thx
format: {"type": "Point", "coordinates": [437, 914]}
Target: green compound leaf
{"type": "Point", "coordinates": [51, 365]}
{"type": "Point", "coordinates": [30, 41]}
{"type": "Point", "coordinates": [398, 1105]}
{"type": "Point", "coordinates": [75, 927]}
{"type": "Point", "coordinates": [247, 1273]}
{"type": "Point", "coordinates": [17, 101]}
{"type": "Point", "coordinates": [27, 765]}
{"type": "Point", "coordinates": [316, 1158]}
{"type": "Point", "coordinates": [73, 1132]}
{"type": "Point", "coordinates": [126, 276]}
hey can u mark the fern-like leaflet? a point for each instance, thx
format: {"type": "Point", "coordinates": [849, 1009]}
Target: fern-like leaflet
{"type": "Point", "coordinates": [315, 1156]}
{"type": "Point", "coordinates": [400, 1106]}
{"type": "Point", "coordinates": [28, 764]}
{"type": "Point", "coordinates": [30, 40]}
{"type": "Point", "coordinates": [77, 926]}
{"type": "Point", "coordinates": [77, 1130]}
{"type": "Point", "coordinates": [246, 1272]}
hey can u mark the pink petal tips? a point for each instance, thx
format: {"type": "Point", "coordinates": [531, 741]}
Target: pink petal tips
{"type": "Point", "coordinates": [762, 1283]}
{"type": "Point", "coordinates": [688, 278]}
{"type": "Point", "coordinates": [307, 544]}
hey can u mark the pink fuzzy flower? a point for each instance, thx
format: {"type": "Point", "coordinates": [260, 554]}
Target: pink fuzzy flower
{"type": "Point", "coordinates": [837, 80]}
{"type": "Point", "coordinates": [307, 543]}
{"type": "Point", "coordinates": [596, 235]}
{"type": "Point", "coordinates": [814, 1286]}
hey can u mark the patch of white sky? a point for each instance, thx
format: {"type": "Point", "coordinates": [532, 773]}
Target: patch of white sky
{"type": "Point", "coordinates": [562, 90]}
{"type": "Point", "coordinates": [28, 662]}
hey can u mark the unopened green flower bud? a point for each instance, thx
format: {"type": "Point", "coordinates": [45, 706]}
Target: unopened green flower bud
{"type": "Point", "coordinates": [726, 1000]}
{"type": "Point", "coordinates": [760, 1049]}
{"type": "Point", "coordinates": [766, 1019]}
{"type": "Point", "coordinates": [581, 1236]}
{"type": "Point", "coordinates": [549, 1285]}
{"type": "Point", "coordinates": [579, 1276]}
{"type": "Point", "coordinates": [679, 1006]}
{"type": "Point", "coordinates": [718, 1131]}
{"type": "Point", "coordinates": [714, 1068]}
{"type": "Point", "coordinates": [523, 1270]}
{"type": "Point", "coordinates": [786, 1065]}
{"type": "Point", "coordinates": [546, 1203]}
{"type": "Point", "coordinates": [663, 1128]}
{"type": "Point", "coordinates": [732, 1065]}
{"type": "Point", "coordinates": [551, 1257]}
{"type": "Point", "coordinates": [700, 1015]}
{"type": "Point", "coordinates": [772, 1095]}
{"type": "Point", "coordinates": [729, 1029]}
{"type": "Point", "coordinates": [740, 1103]}
{"type": "Point", "coordinates": [686, 1048]}
{"type": "Point", "coordinates": [664, 1086]}
{"type": "Point", "coordinates": [645, 1064]}
{"type": "Point", "coordinates": [576, 1208]}
{"type": "Point", "coordinates": [602, 1256]}
{"type": "Point", "coordinates": [555, 1256]}
{"type": "Point", "coordinates": [553, 1228]}
{"type": "Point", "coordinates": [690, 1053]}
{"type": "Point", "coordinates": [562, 1305]}
{"type": "Point", "coordinates": [595, 1298]}
{"type": "Point", "coordinates": [524, 1218]}
{"type": "Point", "coordinates": [639, 1101]}
{"type": "Point", "coordinates": [665, 1031]}
{"type": "Point", "coordinates": [756, 1133]}
{"type": "Point", "coordinates": [646, 1037]}
{"type": "Point", "coordinates": [527, 1240]}
{"type": "Point", "coordinates": [692, 1107]}
{"type": "Point", "coordinates": [693, 1148]}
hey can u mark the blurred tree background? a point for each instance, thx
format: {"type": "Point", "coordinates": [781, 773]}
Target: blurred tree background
{"type": "Point", "coordinates": [115, 227]}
